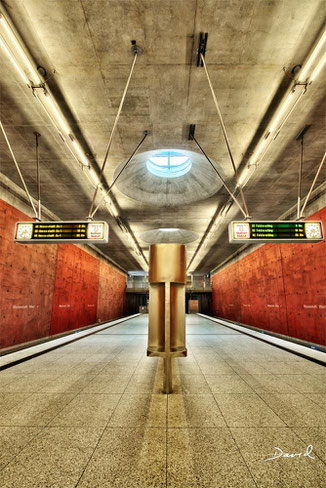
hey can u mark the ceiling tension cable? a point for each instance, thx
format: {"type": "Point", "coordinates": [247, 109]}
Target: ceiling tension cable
{"type": "Point", "coordinates": [145, 134]}
{"type": "Point", "coordinates": [19, 172]}
{"type": "Point", "coordinates": [201, 55]}
{"type": "Point", "coordinates": [136, 51]}
{"type": "Point", "coordinates": [38, 176]}
{"type": "Point", "coordinates": [312, 186]}
{"type": "Point", "coordinates": [192, 137]}
{"type": "Point", "coordinates": [300, 137]}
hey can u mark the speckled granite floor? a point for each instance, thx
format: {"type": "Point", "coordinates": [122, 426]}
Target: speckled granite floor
{"type": "Point", "coordinates": [91, 414]}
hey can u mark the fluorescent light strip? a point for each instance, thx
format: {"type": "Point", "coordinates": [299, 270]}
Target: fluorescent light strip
{"type": "Point", "coordinates": [278, 120]}
{"type": "Point", "coordinates": [12, 59]}
{"type": "Point", "coordinates": [112, 208]}
{"type": "Point", "coordinates": [58, 117]}
{"type": "Point", "coordinates": [284, 106]}
{"type": "Point", "coordinates": [246, 174]}
{"type": "Point", "coordinates": [303, 75]}
{"type": "Point", "coordinates": [19, 49]}
{"type": "Point", "coordinates": [318, 69]}
{"type": "Point", "coordinates": [80, 152]}
{"type": "Point", "coordinates": [47, 101]}
{"type": "Point", "coordinates": [302, 92]}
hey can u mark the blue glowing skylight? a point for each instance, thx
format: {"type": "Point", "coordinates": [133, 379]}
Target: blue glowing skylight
{"type": "Point", "coordinates": [168, 164]}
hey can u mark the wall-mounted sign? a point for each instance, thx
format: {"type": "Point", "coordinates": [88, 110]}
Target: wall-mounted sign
{"type": "Point", "coordinates": [277, 231]}
{"type": "Point", "coordinates": [61, 232]}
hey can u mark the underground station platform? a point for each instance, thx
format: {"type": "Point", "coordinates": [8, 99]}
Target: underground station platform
{"type": "Point", "coordinates": [162, 244]}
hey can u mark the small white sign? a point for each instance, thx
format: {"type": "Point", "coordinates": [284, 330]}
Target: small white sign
{"type": "Point", "coordinates": [241, 230]}
{"type": "Point", "coordinates": [95, 230]}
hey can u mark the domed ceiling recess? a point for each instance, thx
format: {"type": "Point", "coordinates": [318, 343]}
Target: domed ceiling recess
{"type": "Point", "coordinates": [168, 177]}
{"type": "Point", "coordinates": [169, 235]}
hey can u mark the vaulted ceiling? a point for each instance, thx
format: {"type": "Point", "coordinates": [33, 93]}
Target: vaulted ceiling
{"type": "Point", "coordinates": [84, 46]}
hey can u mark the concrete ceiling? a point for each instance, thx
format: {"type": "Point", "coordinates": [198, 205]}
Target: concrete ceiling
{"type": "Point", "coordinates": [87, 43]}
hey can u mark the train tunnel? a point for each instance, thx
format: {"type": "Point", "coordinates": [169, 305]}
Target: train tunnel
{"type": "Point", "coordinates": [162, 244]}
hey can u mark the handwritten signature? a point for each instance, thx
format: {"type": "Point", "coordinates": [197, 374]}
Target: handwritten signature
{"type": "Point", "coordinates": [279, 453]}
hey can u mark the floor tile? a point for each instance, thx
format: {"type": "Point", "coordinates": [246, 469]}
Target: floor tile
{"type": "Point", "coordinates": [319, 398]}
{"type": "Point", "coordinates": [306, 383]}
{"type": "Point", "coordinates": [9, 400]}
{"type": "Point", "coordinates": [13, 440]}
{"type": "Point", "coordinates": [55, 458]}
{"type": "Point", "coordinates": [295, 409]}
{"type": "Point", "coordinates": [205, 458]}
{"type": "Point", "coordinates": [193, 411]}
{"type": "Point", "coordinates": [116, 383]}
{"type": "Point", "coordinates": [246, 410]}
{"type": "Point", "coordinates": [282, 367]}
{"type": "Point", "coordinates": [145, 383]}
{"type": "Point", "coordinates": [215, 367]}
{"type": "Point", "coordinates": [269, 383]}
{"type": "Point", "coordinates": [93, 410]}
{"type": "Point", "coordinates": [190, 385]}
{"type": "Point", "coordinates": [68, 383]}
{"type": "Point", "coordinates": [31, 383]}
{"type": "Point", "coordinates": [128, 457]}
{"type": "Point", "coordinates": [227, 384]}
{"type": "Point", "coordinates": [142, 409]}
{"type": "Point", "coordinates": [37, 410]}
{"type": "Point", "coordinates": [247, 367]}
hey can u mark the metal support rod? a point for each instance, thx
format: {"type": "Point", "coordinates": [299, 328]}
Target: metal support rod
{"type": "Point", "coordinates": [312, 186]}
{"type": "Point", "coordinates": [38, 176]}
{"type": "Point", "coordinates": [112, 132]}
{"type": "Point", "coordinates": [167, 374]}
{"type": "Point", "coordinates": [146, 133]}
{"type": "Point", "coordinates": [19, 172]}
{"type": "Point", "coordinates": [220, 177]}
{"type": "Point", "coordinates": [300, 178]}
{"type": "Point", "coordinates": [226, 139]}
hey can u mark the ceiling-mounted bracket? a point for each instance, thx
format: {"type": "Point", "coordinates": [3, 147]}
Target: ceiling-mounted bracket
{"type": "Point", "coordinates": [135, 49]}
{"type": "Point", "coordinates": [302, 132]}
{"type": "Point", "coordinates": [201, 48]}
{"type": "Point", "coordinates": [191, 135]}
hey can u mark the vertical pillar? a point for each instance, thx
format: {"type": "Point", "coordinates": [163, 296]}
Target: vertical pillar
{"type": "Point", "coordinates": [166, 328]}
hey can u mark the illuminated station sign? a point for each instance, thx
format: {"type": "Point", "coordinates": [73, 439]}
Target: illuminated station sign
{"type": "Point", "coordinates": [277, 231]}
{"type": "Point", "coordinates": [61, 232]}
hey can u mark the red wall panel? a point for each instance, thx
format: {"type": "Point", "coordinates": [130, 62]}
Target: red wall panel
{"type": "Point", "coordinates": [304, 274]}
{"type": "Point", "coordinates": [112, 293]}
{"type": "Point", "coordinates": [49, 289]}
{"type": "Point", "coordinates": [76, 289]}
{"type": "Point", "coordinates": [278, 287]}
{"type": "Point", "coordinates": [27, 275]}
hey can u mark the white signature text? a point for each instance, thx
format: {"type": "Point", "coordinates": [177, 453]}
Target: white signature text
{"type": "Point", "coordinates": [279, 453]}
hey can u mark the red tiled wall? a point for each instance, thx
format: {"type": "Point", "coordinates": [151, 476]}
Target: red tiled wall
{"type": "Point", "coordinates": [26, 290]}
{"type": "Point", "coordinates": [48, 289]}
{"type": "Point", "coordinates": [111, 293]}
{"type": "Point", "coordinates": [278, 287]}
{"type": "Point", "coordinates": [75, 289]}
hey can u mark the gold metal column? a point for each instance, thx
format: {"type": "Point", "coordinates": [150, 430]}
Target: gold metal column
{"type": "Point", "coordinates": [167, 323]}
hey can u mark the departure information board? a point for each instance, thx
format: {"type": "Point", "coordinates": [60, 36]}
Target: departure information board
{"type": "Point", "coordinates": [275, 231]}
{"type": "Point", "coordinates": [61, 232]}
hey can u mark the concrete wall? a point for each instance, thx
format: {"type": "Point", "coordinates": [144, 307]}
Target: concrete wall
{"type": "Point", "coordinates": [278, 287]}
{"type": "Point", "coordinates": [49, 289]}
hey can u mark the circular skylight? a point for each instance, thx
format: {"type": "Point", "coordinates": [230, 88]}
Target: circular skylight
{"type": "Point", "coordinates": [168, 164]}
